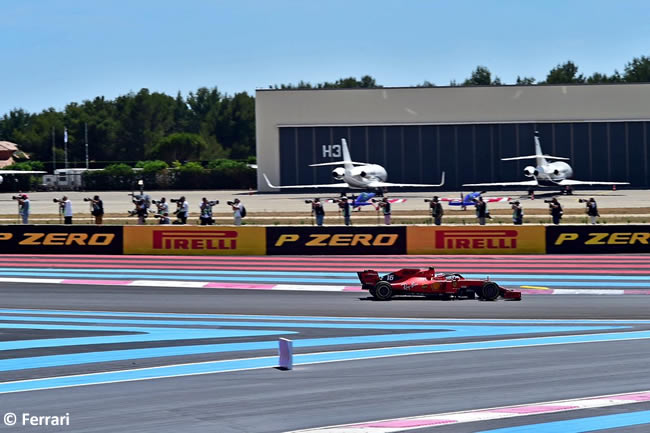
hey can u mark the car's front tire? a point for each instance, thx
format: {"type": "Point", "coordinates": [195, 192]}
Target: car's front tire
{"type": "Point", "coordinates": [383, 291]}
{"type": "Point", "coordinates": [489, 291]}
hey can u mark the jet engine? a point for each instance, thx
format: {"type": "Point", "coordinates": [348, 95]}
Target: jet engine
{"type": "Point", "coordinates": [530, 171]}
{"type": "Point", "coordinates": [362, 174]}
{"type": "Point", "coordinates": [556, 172]}
{"type": "Point", "coordinates": [338, 173]}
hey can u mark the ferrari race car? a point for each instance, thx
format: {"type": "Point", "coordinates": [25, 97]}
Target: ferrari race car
{"type": "Point", "coordinates": [428, 283]}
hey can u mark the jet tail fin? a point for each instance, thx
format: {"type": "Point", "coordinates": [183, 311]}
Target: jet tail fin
{"type": "Point", "coordinates": [539, 156]}
{"type": "Point", "coordinates": [347, 161]}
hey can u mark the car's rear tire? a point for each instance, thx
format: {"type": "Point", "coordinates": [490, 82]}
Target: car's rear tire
{"type": "Point", "coordinates": [373, 292]}
{"type": "Point", "coordinates": [383, 291]}
{"type": "Point", "coordinates": [489, 291]}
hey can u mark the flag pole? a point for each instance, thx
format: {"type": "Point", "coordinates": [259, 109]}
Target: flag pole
{"type": "Point", "coordinates": [53, 152]}
{"type": "Point", "coordinates": [86, 137]}
{"type": "Point", "coordinates": [65, 146]}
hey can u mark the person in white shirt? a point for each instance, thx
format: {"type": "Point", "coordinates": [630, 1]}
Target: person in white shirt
{"type": "Point", "coordinates": [182, 210]}
{"type": "Point", "coordinates": [236, 207]}
{"type": "Point", "coordinates": [66, 208]}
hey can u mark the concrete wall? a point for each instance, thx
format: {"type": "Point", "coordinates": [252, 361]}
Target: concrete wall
{"type": "Point", "coordinates": [438, 106]}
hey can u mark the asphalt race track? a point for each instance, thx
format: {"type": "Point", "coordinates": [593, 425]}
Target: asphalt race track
{"type": "Point", "coordinates": [146, 358]}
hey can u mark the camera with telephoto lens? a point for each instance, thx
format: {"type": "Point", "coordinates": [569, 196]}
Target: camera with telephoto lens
{"type": "Point", "coordinates": [16, 197]}
{"type": "Point", "coordinates": [548, 201]}
{"type": "Point", "coordinates": [175, 200]}
{"type": "Point", "coordinates": [427, 200]}
{"type": "Point", "coordinates": [230, 203]}
{"type": "Point", "coordinates": [513, 203]}
{"type": "Point", "coordinates": [213, 202]}
{"type": "Point", "coordinates": [306, 201]}
{"type": "Point", "coordinates": [582, 200]}
{"type": "Point", "coordinates": [57, 200]}
{"type": "Point", "coordinates": [88, 199]}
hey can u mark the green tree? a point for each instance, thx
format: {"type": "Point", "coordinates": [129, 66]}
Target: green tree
{"type": "Point", "coordinates": [566, 73]}
{"type": "Point", "coordinates": [120, 169]}
{"type": "Point", "coordinates": [25, 166]}
{"type": "Point", "coordinates": [481, 76]}
{"type": "Point", "coordinates": [638, 70]}
{"type": "Point", "coordinates": [525, 81]}
{"type": "Point", "coordinates": [179, 146]}
{"type": "Point", "coordinates": [598, 78]}
{"type": "Point", "coordinates": [152, 166]}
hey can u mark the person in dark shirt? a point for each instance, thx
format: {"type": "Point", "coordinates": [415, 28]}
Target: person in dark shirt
{"type": "Point", "coordinates": [436, 210]}
{"type": "Point", "coordinates": [517, 213]}
{"type": "Point", "coordinates": [592, 210]}
{"type": "Point", "coordinates": [344, 207]}
{"type": "Point", "coordinates": [556, 211]}
{"type": "Point", "coordinates": [318, 211]}
{"type": "Point", "coordinates": [481, 210]}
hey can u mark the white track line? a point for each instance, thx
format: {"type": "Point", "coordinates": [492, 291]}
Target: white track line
{"type": "Point", "coordinates": [487, 414]}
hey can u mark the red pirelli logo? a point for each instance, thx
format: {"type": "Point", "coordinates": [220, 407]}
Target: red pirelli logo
{"type": "Point", "coordinates": [476, 239]}
{"type": "Point", "coordinates": [194, 240]}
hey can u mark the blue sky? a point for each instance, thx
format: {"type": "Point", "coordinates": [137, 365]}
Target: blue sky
{"type": "Point", "coordinates": [56, 52]}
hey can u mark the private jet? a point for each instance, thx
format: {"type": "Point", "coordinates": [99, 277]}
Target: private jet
{"type": "Point", "coordinates": [546, 174]}
{"type": "Point", "coordinates": [357, 175]}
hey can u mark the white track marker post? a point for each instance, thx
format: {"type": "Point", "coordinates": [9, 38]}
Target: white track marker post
{"type": "Point", "coordinates": [285, 349]}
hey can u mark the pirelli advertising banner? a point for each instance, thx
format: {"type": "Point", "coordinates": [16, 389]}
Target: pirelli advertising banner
{"type": "Point", "coordinates": [60, 239]}
{"type": "Point", "coordinates": [600, 239]}
{"type": "Point", "coordinates": [476, 240]}
{"type": "Point", "coordinates": [195, 240]}
{"type": "Point", "coordinates": [335, 240]}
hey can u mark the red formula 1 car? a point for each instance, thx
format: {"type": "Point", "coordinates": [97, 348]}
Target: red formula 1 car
{"type": "Point", "coordinates": [428, 283]}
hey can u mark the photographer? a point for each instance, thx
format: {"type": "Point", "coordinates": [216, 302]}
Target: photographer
{"type": "Point", "coordinates": [591, 209]}
{"type": "Point", "coordinates": [182, 210]}
{"type": "Point", "coordinates": [23, 207]}
{"type": "Point", "coordinates": [344, 207]}
{"type": "Point", "coordinates": [318, 211]}
{"type": "Point", "coordinates": [141, 211]}
{"type": "Point", "coordinates": [555, 210]}
{"type": "Point", "coordinates": [162, 206]}
{"type": "Point", "coordinates": [517, 213]}
{"type": "Point", "coordinates": [436, 210]}
{"type": "Point", "coordinates": [206, 211]}
{"type": "Point", "coordinates": [65, 207]}
{"type": "Point", "coordinates": [481, 210]}
{"type": "Point", "coordinates": [385, 206]}
{"type": "Point", "coordinates": [238, 211]}
{"type": "Point", "coordinates": [96, 209]}
{"type": "Point", "coordinates": [163, 218]}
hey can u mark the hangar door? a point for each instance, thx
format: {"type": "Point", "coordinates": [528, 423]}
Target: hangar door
{"type": "Point", "coordinates": [468, 153]}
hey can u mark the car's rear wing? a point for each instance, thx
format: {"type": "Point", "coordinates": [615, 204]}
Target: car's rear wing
{"type": "Point", "coordinates": [368, 277]}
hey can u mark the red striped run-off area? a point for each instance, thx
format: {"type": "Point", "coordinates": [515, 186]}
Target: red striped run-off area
{"type": "Point", "coordinates": [565, 264]}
